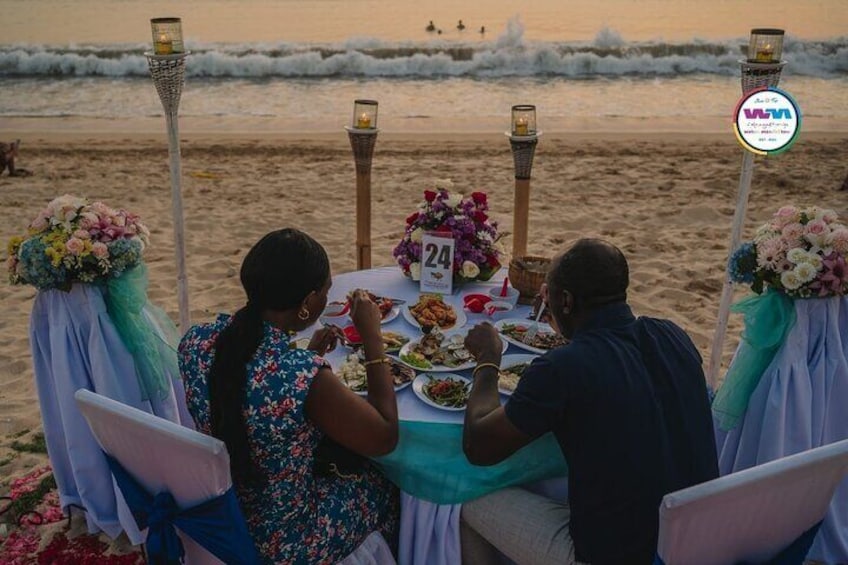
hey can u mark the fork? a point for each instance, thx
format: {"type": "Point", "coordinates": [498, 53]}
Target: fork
{"type": "Point", "coordinates": [533, 329]}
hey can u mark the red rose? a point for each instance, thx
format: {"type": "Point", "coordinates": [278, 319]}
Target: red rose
{"type": "Point", "coordinates": [479, 197]}
{"type": "Point", "coordinates": [429, 195]}
{"type": "Point", "coordinates": [493, 261]}
{"type": "Point", "coordinates": [480, 217]}
{"type": "Point", "coordinates": [444, 229]}
{"type": "Point", "coordinates": [412, 218]}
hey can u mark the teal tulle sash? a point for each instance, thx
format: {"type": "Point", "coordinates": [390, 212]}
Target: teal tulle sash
{"type": "Point", "coordinates": [768, 319]}
{"type": "Point", "coordinates": [429, 463]}
{"type": "Point", "coordinates": [147, 332]}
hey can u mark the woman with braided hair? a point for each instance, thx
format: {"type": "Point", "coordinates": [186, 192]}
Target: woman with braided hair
{"type": "Point", "coordinates": [273, 405]}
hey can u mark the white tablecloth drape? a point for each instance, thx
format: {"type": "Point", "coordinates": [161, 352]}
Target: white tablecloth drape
{"type": "Point", "coordinates": [75, 345]}
{"type": "Point", "coordinates": [801, 402]}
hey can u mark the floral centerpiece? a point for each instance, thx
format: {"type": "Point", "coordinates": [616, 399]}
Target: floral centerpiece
{"type": "Point", "coordinates": [478, 250]}
{"type": "Point", "coordinates": [801, 252]}
{"type": "Point", "coordinates": [72, 240]}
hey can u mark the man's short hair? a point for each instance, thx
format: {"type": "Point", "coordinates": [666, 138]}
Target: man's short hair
{"type": "Point", "coordinates": [594, 271]}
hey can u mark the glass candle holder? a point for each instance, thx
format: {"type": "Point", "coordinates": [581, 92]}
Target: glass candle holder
{"type": "Point", "coordinates": [167, 36]}
{"type": "Point", "coordinates": [524, 120]}
{"type": "Point", "coordinates": [364, 114]}
{"type": "Point", "coordinates": [765, 46]}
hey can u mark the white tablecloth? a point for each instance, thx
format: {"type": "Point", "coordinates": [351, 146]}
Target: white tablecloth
{"type": "Point", "coordinates": [429, 533]}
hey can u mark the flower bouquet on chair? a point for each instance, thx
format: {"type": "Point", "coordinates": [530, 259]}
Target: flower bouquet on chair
{"type": "Point", "coordinates": [75, 242]}
{"type": "Point", "coordinates": [478, 250]}
{"type": "Point", "coordinates": [798, 255]}
{"type": "Point", "coordinates": [800, 252]}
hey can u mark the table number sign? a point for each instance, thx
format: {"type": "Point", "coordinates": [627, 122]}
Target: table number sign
{"type": "Point", "coordinates": [437, 263]}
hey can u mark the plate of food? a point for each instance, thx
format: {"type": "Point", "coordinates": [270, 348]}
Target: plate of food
{"type": "Point", "coordinates": [514, 330]}
{"type": "Point", "coordinates": [392, 341]}
{"type": "Point", "coordinates": [438, 352]}
{"type": "Point", "coordinates": [447, 391]}
{"type": "Point", "coordinates": [512, 369]}
{"type": "Point", "coordinates": [339, 310]}
{"type": "Point", "coordinates": [431, 310]}
{"type": "Point", "coordinates": [352, 373]}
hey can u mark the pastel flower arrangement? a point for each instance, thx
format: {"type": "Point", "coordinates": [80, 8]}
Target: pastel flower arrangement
{"type": "Point", "coordinates": [801, 252]}
{"type": "Point", "coordinates": [72, 240]}
{"type": "Point", "coordinates": [478, 251]}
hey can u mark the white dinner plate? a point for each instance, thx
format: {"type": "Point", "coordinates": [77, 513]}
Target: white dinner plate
{"type": "Point", "coordinates": [398, 388]}
{"type": "Point", "coordinates": [545, 328]}
{"type": "Point", "coordinates": [508, 361]}
{"type": "Point", "coordinates": [470, 364]}
{"type": "Point", "coordinates": [424, 378]}
{"type": "Point", "coordinates": [461, 318]}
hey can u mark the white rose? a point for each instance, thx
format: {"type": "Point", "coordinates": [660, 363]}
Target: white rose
{"type": "Point", "coordinates": [470, 270]}
{"type": "Point", "coordinates": [415, 271]}
{"type": "Point", "coordinates": [416, 235]}
{"type": "Point", "coordinates": [790, 280]}
{"type": "Point", "coordinates": [814, 260]}
{"type": "Point", "coordinates": [447, 184]}
{"type": "Point", "coordinates": [796, 255]}
{"type": "Point", "coordinates": [805, 272]}
{"type": "Point", "coordinates": [453, 200]}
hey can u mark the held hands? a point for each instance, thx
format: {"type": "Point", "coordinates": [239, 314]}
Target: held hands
{"type": "Point", "coordinates": [365, 314]}
{"type": "Point", "coordinates": [484, 343]}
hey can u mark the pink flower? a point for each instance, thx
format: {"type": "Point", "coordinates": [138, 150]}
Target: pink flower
{"type": "Point", "coordinates": [786, 215]}
{"type": "Point", "coordinates": [113, 232]}
{"type": "Point", "coordinates": [834, 276]}
{"type": "Point", "coordinates": [40, 223]}
{"type": "Point", "coordinates": [75, 246]}
{"type": "Point", "coordinates": [839, 241]}
{"type": "Point", "coordinates": [793, 233]}
{"type": "Point", "coordinates": [82, 234]}
{"type": "Point", "coordinates": [817, 232]}
{"type": "Point", "coordinates": [770, 253]}
{"type": "Point", "coordinates": [829, 216]}
{"type": "Point", "coordinates": [100, 250]}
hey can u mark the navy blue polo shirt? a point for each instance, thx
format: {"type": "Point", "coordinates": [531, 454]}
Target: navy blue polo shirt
{"type": "Point", "coordinates": [627, 402]}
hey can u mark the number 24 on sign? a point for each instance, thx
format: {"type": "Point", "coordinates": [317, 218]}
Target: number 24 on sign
{"type": "Point", "coordinates": [437, 263]}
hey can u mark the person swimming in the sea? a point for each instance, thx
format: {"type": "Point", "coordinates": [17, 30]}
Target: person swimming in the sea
{"type": "Point", "coordinates": [431, 26]}
{"type": "Point", "coordinates": [482, 30]}
{"type": "Point", "coordinates": [460, 26]}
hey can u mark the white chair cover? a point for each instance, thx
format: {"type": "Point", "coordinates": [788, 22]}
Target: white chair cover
{"type": "Point", "coordinates": [753, 514]}
{"type": "Point", "coordinates": [75, 345]}
{"type": "Point", "coordinates": [161, 456]}
{"type": "Point", "coordinates": [799, 404]}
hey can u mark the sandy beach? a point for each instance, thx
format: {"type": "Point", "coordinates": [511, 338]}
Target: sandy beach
{"type": "Point", "coordinates": [666, 199]}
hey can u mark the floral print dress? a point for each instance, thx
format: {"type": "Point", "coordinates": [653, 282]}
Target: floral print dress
{"type": "Point", "coordinates": [296, 517]}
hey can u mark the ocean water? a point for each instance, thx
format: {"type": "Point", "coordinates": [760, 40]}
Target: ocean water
{"type": "Point", "coordinates": [302, 62]}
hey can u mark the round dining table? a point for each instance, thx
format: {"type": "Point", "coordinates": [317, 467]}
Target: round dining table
{"type": "Point", "coordinates": [428, 464]}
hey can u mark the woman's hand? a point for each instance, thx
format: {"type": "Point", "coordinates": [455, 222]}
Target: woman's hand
{"type": "Point", "coordinates": [365, 315]}
{"type": "Point", "coordinates": [324, 340]}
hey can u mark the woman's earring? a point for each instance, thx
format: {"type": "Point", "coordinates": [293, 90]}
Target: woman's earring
{"type": "Point", "coordinates": [304, 313]}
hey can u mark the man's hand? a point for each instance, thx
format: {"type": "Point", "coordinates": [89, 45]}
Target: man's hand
{"type": "Point", "coordinates": [484, 343]}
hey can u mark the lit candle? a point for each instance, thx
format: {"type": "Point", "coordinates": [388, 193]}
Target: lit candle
{"type": "Point", "coordinates": [520, 126]}
{"type": "Point", "coordinates": [164, 45]}
{"type": "Point", "coordinates": [765, 53]}
{"type": "Point", "coordinates": [364, 121]}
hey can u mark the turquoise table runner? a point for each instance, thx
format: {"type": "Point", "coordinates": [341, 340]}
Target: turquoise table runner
{"type": "Point", "coordinates": [429, 464]}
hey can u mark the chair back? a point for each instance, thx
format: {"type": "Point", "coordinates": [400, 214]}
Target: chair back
{"type": "Point", "coordinates": [161, 456]}
{"type": "Point", "coordinates": [753, 514]}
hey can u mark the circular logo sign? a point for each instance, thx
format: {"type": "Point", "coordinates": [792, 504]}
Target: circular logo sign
{"type": "Point", "coordinates": [766, 121]}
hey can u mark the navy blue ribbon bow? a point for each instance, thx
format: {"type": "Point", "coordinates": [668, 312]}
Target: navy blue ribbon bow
{"type": "Point", "coordinates": [217, 524]}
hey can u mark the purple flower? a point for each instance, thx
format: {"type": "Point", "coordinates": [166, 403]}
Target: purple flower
{"type": "Point", "coordinates": [834, 277]}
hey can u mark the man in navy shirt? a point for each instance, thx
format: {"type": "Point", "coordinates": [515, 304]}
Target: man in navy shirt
{"type": "Point", "coordinates": [627, 401]}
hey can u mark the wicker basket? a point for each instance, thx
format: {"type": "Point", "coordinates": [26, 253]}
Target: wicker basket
{"type": "Point", "coordinates": [526, 280]}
